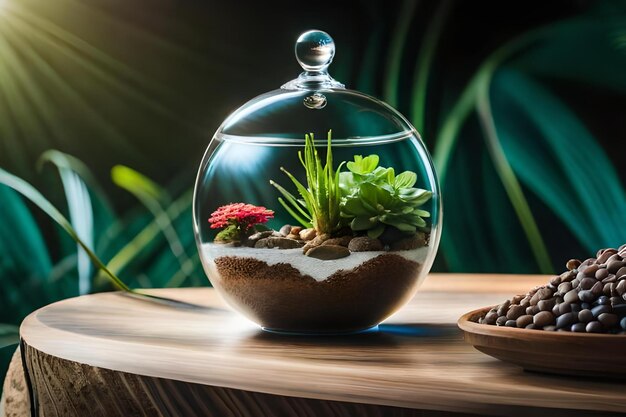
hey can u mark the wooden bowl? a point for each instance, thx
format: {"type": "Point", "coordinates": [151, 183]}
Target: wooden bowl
{"type": "Point", "coordinates": [587, 354]}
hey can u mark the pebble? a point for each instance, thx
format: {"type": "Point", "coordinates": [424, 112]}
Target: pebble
{"type": "Point", "coordinates": [547, 305]}
{"type": "Point", "coordinates": [564, 287]}
{"type": "Point", "coordinates": [602, 300]}
{"type": "Point", "coordinates": [418, 240]}
{"type": "Point", "coordinates": [541, 294]}
{"type": "Point", "coordinates": [278, 243]}
{"type": "Point", "coordinates": [586, 283]}
{"type": "Point", "coordinates": [564, 308]}
{"type": "Point", "coordinates": [601, 274]}
{"type": "Point", "coordinates": [589, 297]}
{"type": "Point", "coordinates": [585, 316]}
{"type": "Point", "coordinates": [330, 252]}
{"type": "Point", "coordinates": [307, 234]}
{"type": "Point", "coordinates": [608, 320]}
{"type": "Point", "coordinates": [285, 230]}
{"type": "Point", "coordinates": [572, 264]}
{"type": "Point", "coordinates": [523, 321]}
{"type": "Point", "coordinates": [365, 244]}
{"type": "Point", "coordinates": [591, 270]}
{"type": "Point", "coordinates": [503, 308]}
{"type": "Point", "coordinates": [594, 327]}
{"type": "Point", "coordinates": [566, 320]}
{"type": "Point", "coordinates": [571, 296]}
{"type": "Point", "coordinates": [586, 296]}
{"type": "Point", "coordinates": [341, 241]}
{"type": "Point", "coordinates": [543, 318]}
{"type": "Point", "coordinates": [491, 317]}
{"type": "Point", "coordinates": [515, 311]}
{"type": "Point", "coordinates": [597, 310]}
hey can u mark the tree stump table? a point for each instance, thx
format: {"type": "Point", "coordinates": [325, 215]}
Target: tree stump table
{"type": "Point", "coordinates": [112, 354]}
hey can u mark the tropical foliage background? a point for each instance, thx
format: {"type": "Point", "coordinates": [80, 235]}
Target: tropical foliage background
{"type": "Point", "coordinates": [106, 107]}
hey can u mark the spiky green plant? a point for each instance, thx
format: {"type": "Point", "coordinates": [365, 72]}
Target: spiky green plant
{"type": "Point", "coordinates": [319, 203]}
{"type": "Point", "coordinates": [374, 197]}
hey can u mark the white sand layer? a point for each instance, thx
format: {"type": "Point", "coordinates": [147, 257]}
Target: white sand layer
{"type": "Point", "coordinates": [316, 268]}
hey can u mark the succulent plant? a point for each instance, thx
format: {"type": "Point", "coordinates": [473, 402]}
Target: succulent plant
{"type": "Point", "coordinates": [318, 206]}
{"type": "Point", "coordinates": [373, 198]}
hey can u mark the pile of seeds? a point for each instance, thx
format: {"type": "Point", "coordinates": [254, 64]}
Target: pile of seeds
{"type": "Point", "coordinates": [589, 297]}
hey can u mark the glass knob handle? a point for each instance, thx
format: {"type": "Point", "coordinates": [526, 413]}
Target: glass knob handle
{"type": "Point", "coordinates": [315, 50]}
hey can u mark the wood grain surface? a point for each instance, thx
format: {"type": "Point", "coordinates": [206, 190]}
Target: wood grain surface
{"type": "Point", "coordinates": [92, 346]}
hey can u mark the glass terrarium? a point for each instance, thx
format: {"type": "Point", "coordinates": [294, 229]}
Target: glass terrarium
{"type": "Point", "coordinates": [316, 208]}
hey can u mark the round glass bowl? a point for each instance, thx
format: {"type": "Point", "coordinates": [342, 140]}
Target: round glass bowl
{"type": "Point", "coordinates": [316, 208]}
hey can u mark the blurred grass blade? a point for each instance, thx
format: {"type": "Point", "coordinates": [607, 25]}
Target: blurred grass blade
{"type": "Point", "coordinates": [9, 335]}
{"type": "Point", "coordinates": [510, 182]}
{"type": "Point", "coordinates": [569, 171]}
{"type": "Point", "coordinates": [80, 210]}
{"type": "Point", "coordinates": [26, 190]}
{"type": "Point", "coordinates": [150, 194]}
{"type": "Point", "coordinates": [147, 235]}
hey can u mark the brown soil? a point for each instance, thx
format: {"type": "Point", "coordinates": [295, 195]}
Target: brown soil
{"type": "Point", "coordinates": [280, 298]}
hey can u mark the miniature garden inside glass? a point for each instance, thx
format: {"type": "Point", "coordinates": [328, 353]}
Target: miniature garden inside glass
{"type": "Point", "coordinates": [316, 208]}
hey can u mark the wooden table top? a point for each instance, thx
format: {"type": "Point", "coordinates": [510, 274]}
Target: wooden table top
{"type": "Point", "coordinates": [417, 359]}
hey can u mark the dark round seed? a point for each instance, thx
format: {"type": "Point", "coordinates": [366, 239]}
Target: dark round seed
{"type": "Point", "coordinates": [586, 283]}
{"type": "Point", "coordinates": [602, 273]}
{"type": "Point", "coordinates": [603, 299]}
{"type": "Point", "coordinates": [515, 311]}
{"type": "Point", "coordinates": [501, 320]}
{"type": "Point", "coordinates": [621, 272]}
{"type": "Point", "coordinates": [585, 316]}
{"type": "Point", "coordinates": [556, 311]}
{"type": "Point", "coordinates": [586, 296]}
{"type": "Point", "coordinates": [566, 320]}
{"type": "Point", "coordinates": [585, 306]}
{"type": "Point", "coordinates": [516, 299]}
{"type": "Point", "coordinates": [607, 289]}
{"type": "Point", "coordinates": [564, 287]}
{"type": "Point", "coordinates": [572, 264]}
{"type": "Point", "coordinates": [615, 266]}
{"type": "Point", "coordinates": [556, 280]}
{"type": "Point", "coordinates": [549, 328]}
{"type": "Point", "coordinates": [616, 302]}
{"type": "Point", "coordinates": [510, 323]}
{"type": "Point", "coordinates": [593, 327]}
{"type": "Point", "coordinates": [523, 321]}
{"type": "Point", "coordinates": [546, 305]}
{"type": "Point", "coordinates": [543, 318]}
{"type": "Point", "coordinates": [608, 320]}
{"type": "Point", "coordinates": [531, 326]}
{"type": "Point", "coordinates": [578, 327]}
{"type": "Point", "coordinates": [619, 309]}
{"type": "Point", "coordinates": [597, 310]}
{"type": "Point", "coordinates": [597, 289]}
{"type": "Point", "coordinates": [564, 308]}
{"type": "Point", "coordinates": [576, 281]}
{"type": "Point", "coordinates": [590, 271]}
{"type": "Point", "coordinates": [503, 308]}
{"type": "Point", "coordinates": [620, 288]}
{"type": "Point", "coordinates": [622, 323]}
{"type": "Point", "coordinates": [576, 307]}
{"type": "Point", "coordinates": [491, 317]}
{"type": "Point", "coordinates": [571, 296]}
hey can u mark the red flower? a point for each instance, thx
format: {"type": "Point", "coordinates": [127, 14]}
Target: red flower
{"type": "Point", "coordinates": [243, 215]}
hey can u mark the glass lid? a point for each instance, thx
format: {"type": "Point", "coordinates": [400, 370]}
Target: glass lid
{"type": "Point", "coordinates": [315, 100]}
